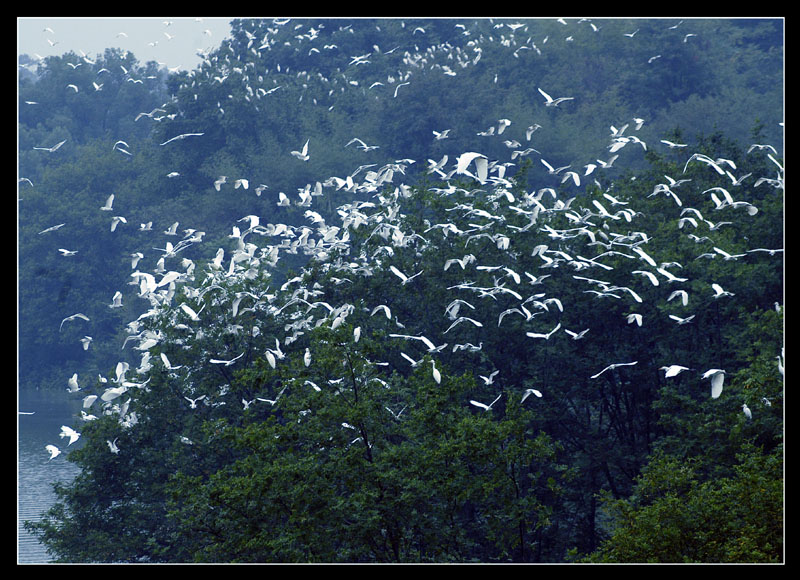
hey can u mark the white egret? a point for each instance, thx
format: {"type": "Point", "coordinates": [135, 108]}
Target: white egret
{"type": "Point", "coordinates": [637, 318]}
{"type": "Point", "coordinates": [577, 335]}
{"type": "Point", "coordinates": [58, 226]}
{"type": "Point", "coordinates": [181, 137]}
{"type": "Point", "coordinates": [484, 406]}
{"type": "Point", "coordinates": [461, 319]}
{"type": "Point", "coordinates": [73, 384]}
{"type": "Point", "coordinates": [490, 379]}
{"type": "Point", "coordinates": [481, 165]}
{"type": "Point", "coordinates": [195, 316]}
{"type": "Point", "coordinates": [551, 102]}
{"type": "Point", "coordinates": [397, 88]}
{"type": "Point", "coordinates": [437, 376]}
{"type": "Point", "coordinates": [673, 370]}
{"type": "Point", "coordinates": [307, 357]}
{"type": "Point", "coordinates": [682, 321]}
{"type": "Point", "coordinates": [70, 433]}
{"type": "Point", "coordinates": [53, 451]}
{"type": "Point", "coordinates": [682, 294]}
{"type": "Point", "coordinates": [403, 278]}
{"type": "Point", "coordinates": [613, 366]}
{"type": "Point", "coordinates": [86, 341]}
{"type": "Point", "coordinates": [116, 301]}
{"type": "Point", "coordinates": [55, 147]}
{"type": "Point", "coordinates": [650, 276]}
{"type": "Point", "coordinates": [746, 411]}
{"type": "Point", "coordinates": [73, 317]}
{"type": "Point", "coordinates": [719, 292]}
{"type": "Point", "coordinates": [528, 393]}
{"type": "Point", "coordinates": [65, 252]}
{"type": "Point", "coordinates": [112, 446]}
{"type": "Point", "coordinates": [193, 402]}
{"type": "Point", "coordinates": [303, 153]}
{"type": "Point", "coordinates": [717, 377]}
{"type": "Point", "coordinates": [544, 336]}
{"type": "Point", "coordinates": [169, 365]}
{"type": "Point", "coordinates": [112, 393]}
{"type": "Point", "coordinates": [116, 220]}
{"type": "Point", "coordinates": [89, 400]}
{"type": "Point", "coordinates": [227, 363]}
{"type": "Point", "coordinates": [425, 340]}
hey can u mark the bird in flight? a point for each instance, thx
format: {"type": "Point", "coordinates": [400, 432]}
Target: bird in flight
{"type": "Point", "coordinates": [484, 406]}
{"type": "Point", "coordinates": [613, 366]}
{"type": "Point", "coordinates": [73, 317]}
{"type": "Point", "coordinates": [181, 137]}
{"type": "Point", "coordinates": [551, 102]}
{"type": "Point", "coordinates": [52, 149]}
{"type": "Point", "coordinates": [303, 153]}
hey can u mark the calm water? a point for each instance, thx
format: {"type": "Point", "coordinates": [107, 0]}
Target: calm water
{"type": "Point", "coordinates": [35, 472]}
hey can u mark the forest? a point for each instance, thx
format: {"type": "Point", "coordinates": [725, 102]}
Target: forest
{"type": "Point", "coordinates": [412, 291]}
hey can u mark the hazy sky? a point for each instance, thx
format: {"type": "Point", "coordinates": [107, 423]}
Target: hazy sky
{"type": "Point", "coordinates": [145, 37]}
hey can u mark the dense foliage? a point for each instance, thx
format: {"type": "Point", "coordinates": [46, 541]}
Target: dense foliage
{"type": "Point", "coordinates": [406, 361]}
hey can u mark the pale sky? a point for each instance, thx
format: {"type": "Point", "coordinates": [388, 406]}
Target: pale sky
{"type": "Point", "coordinates": [145, 37]}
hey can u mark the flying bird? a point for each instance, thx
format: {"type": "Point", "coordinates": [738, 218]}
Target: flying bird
{"type": "Point", "coordinates": [717, 377]}
{"type": "Point", "coordinates": [484, 406]}
{"type": "Point", "coordinates": [673, 370]}
{"type": "Point", "coordinates": [528, 393]}
{"type": "Point", "coordinates": [302, 155]}
{"type": "Point", "coordinates": [551, 102]}
{"type": "Point", "coordinates": [73, 317]}
{"type": "Point", "coordinates": [613, 366]}
{"type": "Point", "coordinates": [181, 137]}
{"type": "Point", "coordinates": [52, 149]}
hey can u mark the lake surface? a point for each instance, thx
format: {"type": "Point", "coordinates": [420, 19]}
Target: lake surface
{"type": "Point", "coordinates": [35, 472]}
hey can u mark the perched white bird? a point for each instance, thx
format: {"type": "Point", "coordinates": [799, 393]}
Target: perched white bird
{"type": "Point", "coordinates": [746, 411]}
{"type": "Point", "coordinates": [437, 376]}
